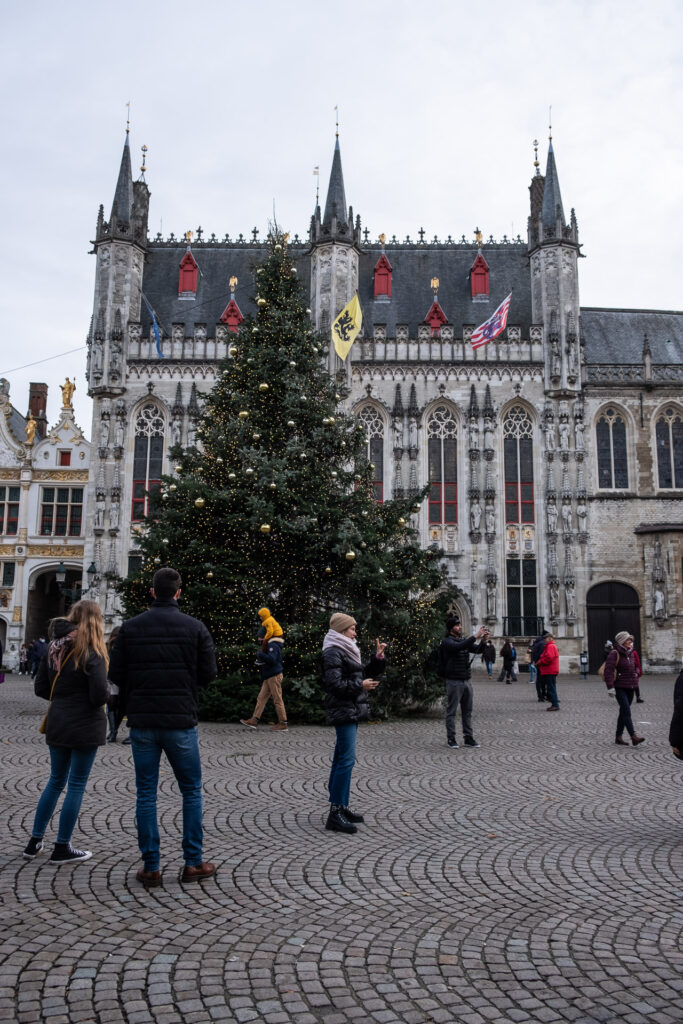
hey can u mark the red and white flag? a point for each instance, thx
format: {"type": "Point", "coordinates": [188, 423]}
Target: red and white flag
{"type": "Point", "coordinates": [492, 327]}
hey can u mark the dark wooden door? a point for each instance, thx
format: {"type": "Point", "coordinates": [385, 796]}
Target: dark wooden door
{"type": "Point", "coordinates": [610, 608]}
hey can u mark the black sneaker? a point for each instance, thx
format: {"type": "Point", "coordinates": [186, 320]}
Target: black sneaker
{"type": "Point", "coordinates": [33, 848]}
{"type": "Point", "coordinates": [355, 819]}
{"type": "Point", "coordinates": [64, 853]}
{"type": "Point", "coordinates": [452, 743]}
{"type": "Point", "coordinates": [470, 741]}
{"type": "Point", "coordinates": [338, 822]}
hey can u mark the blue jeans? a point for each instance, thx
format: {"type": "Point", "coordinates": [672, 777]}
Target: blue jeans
{"type": "Point", "coordinates": [181, 747]}
{"type": "Point", "coordinates": [342, 764]}
{"type": "Point", "coordinates": [624, 721]}
{"type": "Point", "coordinates": [551, 689]}
{"type": "Point", "coordinates": [67, 765]}
{"type": "Point", "coordinates": [489, 668]}
{"type": "Point", "coordinates": [532, 673]}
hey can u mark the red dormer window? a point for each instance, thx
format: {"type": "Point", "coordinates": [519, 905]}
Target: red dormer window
{"type": "Point", "coordinates": [479, 277]}
{"type": "Point", "coordinates": [383, 277]}
{"type": "Point", "coordinates": [232, 316]}
{"type": "Point", "coordinates": [436, 318]}
{"type": "Point", "coordinates": [187, 279]}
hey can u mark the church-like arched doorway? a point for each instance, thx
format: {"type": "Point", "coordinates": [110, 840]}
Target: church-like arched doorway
{"type": "Point", "coordinates": [48, 599]}
{"type": "Point", "coordinates": [610, 607]}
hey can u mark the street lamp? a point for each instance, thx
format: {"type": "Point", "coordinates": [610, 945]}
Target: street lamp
{"type": "Point", "coordinates": [70, 593]}
{"type": "Point", "coordinates": [91, 573]}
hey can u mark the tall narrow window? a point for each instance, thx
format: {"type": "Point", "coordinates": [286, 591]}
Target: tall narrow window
{"type": "Point", "coordinates": [147, 459]}
{"type": "Point", "coordinates": [519, 466]}
{"type": "Point", "coordinates": [9, 510]}
{"type": "Point", "coordinates": [479, 278]}
{"type": "Point", "coordinates": [61, 512]}
{"type": "Point", "coordinates": [669, 434]}
{"type": "Point", "coordinates": [442, 459]}
{"type": "Point", "coordinates": [187, 277]}
{"type": "Point", "coordinates": [610, 436]}
{"type": "Point", "coordinates": [383, 278]}
{"type": "Point", "coordinates": [8, 574]}
{"type": "Point", "coordinates": [522, 607]}
{"type": "Point", "coordinates": [374, 432]}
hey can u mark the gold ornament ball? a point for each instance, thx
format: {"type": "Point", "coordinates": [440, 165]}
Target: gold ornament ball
{"type": "Point", "coordinates": [172, 487]}
{"type": "Point", "coordinates": [250, 472]}
{"type": "Point", "coordinates": [325, 421]}
{"type": "Point", "coordinates": [164, 496]}
{"type": "Point", "coordinates": [273, 487]}
{"type": "Point", "coordinates": [381, 572]}
{"type": "Point", "coordinates": [260, 302]}
{"type": "Point", "coordinates": [331, 419]}
{"type": "Point", "coordinates": [363, 544]}
{"type": "Point", "coordinates": [157, 561]}
{"type": "Point", "coordinates": [250, 360]}
{"type": "Point", "coordinates": [179, 469]}
{"type": "Point", "coordinates": [372, 465]}
{"type": "Point", "coordinates": [401, 521]}
{"type": "Point", "coordinates": [294, 271]}
{"type": "Point", "coordinates": [165, 540]}
{"type": "Point", "coordinates": [243, 414]}
{"type": "Point", "coordinates": [328, 569]}
{"type": "Point", "coordinates": [209, 575]}
{"type": "Point", "coordinates": [315, 348]}
{"type": "Point", "coordinates": [292, 363]}
{"type": "Point", "coordinates": [416, 508]}
{"type": "Point", "coordinates": [278, 247]}
{"type": "Point", "coordinates": [303, 455]}
{"type": "Point", "coordinates": [263, 387]}
{"type": "Point", "coordinates": [303, 398]}
{"type": "Point", "coordinates": [343, 444]}
{"type": "Point", "coordinates": [333, 474]}
{"type": "Point", "coordinates": [291, 423]}
{"type": "Point", "coordinates": [231, 476]}
{"type": "Point", "coordinates": [350, 556]}
{"type": "Point", "coordinates": [200, 502]}
{"type": "Point", "coordinates": [256, 437]}
{"type": "Point", "coordinates": [308, 312]}
{"type": "Point", "coordinates": [232, 351]}
{"type": "Point", "coordinates": [254, 330]}
{"type": "Point", "coordinates": [219, 459]}
{"type": "Point", "coordinates": [265, 527]}
{"type": "Point", "coordinates": [337, 397]}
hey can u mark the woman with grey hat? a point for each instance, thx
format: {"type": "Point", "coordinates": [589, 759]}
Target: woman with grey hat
{"type": "Point", "coordinates": [621, 678]}
{"type": "Point", "coordinates": [347, 683]}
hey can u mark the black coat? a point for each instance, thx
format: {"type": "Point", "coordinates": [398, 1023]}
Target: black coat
{"type": "Point", "coordinates": [676, 729]}
{"type": "Point", "coordinates": [346, 701]}
{"type": "Point", "coordinates": [454, 656]}
{"type": "Point", "coordinates": [76, 715]}
{"type": "Point", "coordinates": [158, 661]}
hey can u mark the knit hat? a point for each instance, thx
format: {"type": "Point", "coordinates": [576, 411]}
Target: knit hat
{"type": "Point", "coordinates": [340, 622]}
{"type": "Point", "coordinates": [622, 637]}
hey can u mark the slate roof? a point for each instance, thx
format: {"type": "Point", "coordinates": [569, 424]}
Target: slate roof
{"type": "Point", "coordinates": [17, 424]}
{"type": "Point", "coordinates": [615, 336]}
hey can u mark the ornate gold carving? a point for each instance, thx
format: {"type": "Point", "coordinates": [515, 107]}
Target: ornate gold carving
{"type": "Point", "coordinates": [10, 474]}
{"type": "Point", "coordinates": [50, 550]}
{"type": "Point", "coordinates": [74, 475]}
{"type": "Point", "coordinates": [16, 614]}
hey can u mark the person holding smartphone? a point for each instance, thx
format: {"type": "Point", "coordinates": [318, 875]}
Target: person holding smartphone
{"type": "Point", "coordinates": [346, 682]}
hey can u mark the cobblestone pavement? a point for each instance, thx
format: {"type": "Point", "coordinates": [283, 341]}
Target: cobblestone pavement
{"type": "Point", "coordinates": [537, 878]}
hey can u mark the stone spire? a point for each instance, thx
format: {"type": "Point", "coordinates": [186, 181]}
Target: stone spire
{"type": "Point", "coordinates": [335, 205]}
{"type": "Point", "coordinates": [552, 213]}
{"type": "Point", "coordinates": [122, 207]}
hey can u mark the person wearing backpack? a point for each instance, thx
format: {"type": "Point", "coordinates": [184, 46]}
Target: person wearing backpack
{"type": "Point", "coordinates": [455, 667]}
{"type": "Point", "coordinates": [621, 678]}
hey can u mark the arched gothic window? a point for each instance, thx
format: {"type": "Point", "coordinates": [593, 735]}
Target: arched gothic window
{"type": "Point", "coordinates": [442, 460]}
{"type": "Point", "coordinates": [610, 437]}
{"type": "Point", "coordinates": [148, 457]}
{"type": "Point", "coordinates": [669, 434]}
{"type": "Point", "coordinates": [519, 466]}
{"type": "Point", "coordinates": [374, 431]}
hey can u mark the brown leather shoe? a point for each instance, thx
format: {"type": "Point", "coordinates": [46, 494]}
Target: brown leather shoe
{"type": "Point", "coordinates": [251, 723]}
{"type": "Point", "coordinates": [150, 879]}
{"type": "Point", "coordinates": [198, 873]}
{"type": "Point", "coordinates": [280, 727]}
{"type": "Point", "coordinates": [621, 741]}
{"type": "Point", "coordinates": [635, 740]}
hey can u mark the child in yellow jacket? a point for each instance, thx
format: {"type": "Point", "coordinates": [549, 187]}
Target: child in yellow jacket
{"type": "Point", "coordinates": [272, 627]}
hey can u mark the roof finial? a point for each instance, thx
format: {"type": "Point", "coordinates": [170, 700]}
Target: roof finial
{"type": "Point", "coordinates": [316, 174]}
{"type": "Point", "coordinates": [233, 285]}
{"type": "Point", "coordinates": [128, 118]}
{"type": "Point", "coordinates": [336, 113]}
{"type": "Point", "coordinates": [550, 124]}
{"type": "Point", "coordinates": [435, 286]}
{"type": "Point", "coordinates": [536, 163]}
{"type": "Point", "coordinates": [143, 166]}
{"type": "Point", "coordinates": [478, 237]}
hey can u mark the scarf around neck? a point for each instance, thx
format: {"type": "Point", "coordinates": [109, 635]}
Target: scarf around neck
{"type": "Point", "coordinates": [349, 646]}
{"type": "Point", "coordinates": [58, 649]}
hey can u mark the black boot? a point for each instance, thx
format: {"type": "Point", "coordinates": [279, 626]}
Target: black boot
{"type": "Point", "coordinates": [338, 822]}
{"type": "Point", "coordinates": [355, 819]}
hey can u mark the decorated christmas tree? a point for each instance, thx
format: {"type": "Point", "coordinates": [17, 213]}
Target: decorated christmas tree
{"type": "Point", "coordinates": [275, 507]}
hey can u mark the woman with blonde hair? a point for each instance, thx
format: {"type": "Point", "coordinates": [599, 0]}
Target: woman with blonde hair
{"type": "Point", "coordinates": [72, 676]}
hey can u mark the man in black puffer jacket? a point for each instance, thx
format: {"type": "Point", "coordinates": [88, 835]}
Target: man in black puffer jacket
{"type": "Point", "coordinates": [158, 661]}
{"type": "Point", "coordinates": [454, 666]}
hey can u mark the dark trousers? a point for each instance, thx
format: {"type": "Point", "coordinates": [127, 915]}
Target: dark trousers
{"type": "Point", "coordinates": [624, 721]}
{"type": "Point", "coordinates": [541, 691]}
{"type": "Point", "coordinates": [343, 760]}
{"type": "Point", "coordinates": [551, 689]}
{"type": "Point", "coordinates": [458, 692]}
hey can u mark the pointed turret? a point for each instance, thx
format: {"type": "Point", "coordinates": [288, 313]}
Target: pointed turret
{"type": "Point", "coordinates": [552, 214]}
{"type": "Point", "coordinates": [474, 405]}
{"type": "Point", "coordinates": [122, 207]}
{"type": "Point", "coordinates": [335, 205]}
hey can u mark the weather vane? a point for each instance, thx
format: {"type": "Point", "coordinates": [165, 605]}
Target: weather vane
{"type": "Point", "coordinates": [316, 174]}
{"type": "Point", "coordinates": [128, 118]}
{"type": "Point", "coordinates": [143, 168]}
{"type": "Point", "coordinates": [336, 112]}
{"type": "Point", "coordinates": [536, 163]}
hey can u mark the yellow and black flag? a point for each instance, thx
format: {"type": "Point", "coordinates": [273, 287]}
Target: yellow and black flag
{"type": "Point", "coordinates": [346, 327]}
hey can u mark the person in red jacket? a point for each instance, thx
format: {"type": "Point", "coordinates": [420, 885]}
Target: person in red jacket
{"type": "Point", "coordinates": [621, 678]}
{"type": "Point", "coordinates": [549, 666]}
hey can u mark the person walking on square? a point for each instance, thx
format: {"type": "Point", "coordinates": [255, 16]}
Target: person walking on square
{"type": "Point", "coordinates": [621, 679]}
{"type": "Point", "coordinates": [159, 660]}
{"type": "Point", "coordinates": [535, 653]}
{"type": "Point", "coordinates": [73, 678]}
{"type": "Point", "coordinates": [548, 667]}
{"type": "Point", "coordinates": [639, 673]}
{"type": "Point", "coordinates": [455, 667]}
{"type": "Point", "coordinates": [507, 672]}
{"type": "Point", "coordinates": [23, 660]}
{"type": "Point", "coordinates": [346, 682]}
{"type": "Point", "coordinates": [269, 661]}
{"type": "Point", "coordinates": [488, 656]}
{"type": "Point", "coordinates": [533, 671]}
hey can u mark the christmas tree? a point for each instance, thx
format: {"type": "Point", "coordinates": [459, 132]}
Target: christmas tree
{"type": "Point", "coordinates": [275, 507]}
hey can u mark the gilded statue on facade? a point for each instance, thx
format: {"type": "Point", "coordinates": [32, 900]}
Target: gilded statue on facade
{"type": "Point", "coordinates": [68, 388]}
{"type": "Point", "coordinates": [30, 429]}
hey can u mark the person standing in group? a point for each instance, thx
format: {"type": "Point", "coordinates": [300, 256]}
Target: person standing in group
{"type": "Point", "coordinates": [73, 677]}
{"type": "Point", "coordinates": [507, 653]}
{"type": "Point", "coordinates": [23, 660]}
{"type": "Point", "coordinates": [488, 656]}
{"type": "Point", "coordinates": [346, 683]}
{"type": "Point", "coordinates": [533, 671]}
{"type": "Point", "coordinates": [269, 661]}
{"type": "Point", "coordinates": [36, 653]}
{"type": "Point", "coordinates": [676, 727]}
{"type": "Point", "coordinates": [113, 698]}
{"type": "Point", "coordinates": [548, 667]}
{"type": "Point", "coordinates": [621, 679]}
{"type": "Point", "coordinates": [535, 653]}
{"type": "Point", "coordinates": [159, 660]}
{"type": "Point", "coordinates": [455, 666]}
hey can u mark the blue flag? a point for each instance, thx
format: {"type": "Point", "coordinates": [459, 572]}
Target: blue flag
{"type": "Point", "coordinates": [155, 327]}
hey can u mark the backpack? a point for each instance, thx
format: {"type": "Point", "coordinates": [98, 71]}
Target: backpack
{"type": "Point", "coordinates": [601, 670]}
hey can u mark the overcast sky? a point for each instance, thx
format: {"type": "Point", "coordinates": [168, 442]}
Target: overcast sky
{"type": "Point", "coordinates": [438, 105]}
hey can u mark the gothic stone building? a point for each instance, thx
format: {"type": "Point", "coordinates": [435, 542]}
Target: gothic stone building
{"type": "Point", "coordinates": [554, 454]}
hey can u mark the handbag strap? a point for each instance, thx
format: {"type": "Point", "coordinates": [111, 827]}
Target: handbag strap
{"type": "Point", "coordinates": [52, 688]}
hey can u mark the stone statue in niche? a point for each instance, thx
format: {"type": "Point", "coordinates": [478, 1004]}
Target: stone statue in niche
{"type": "Point", "coordinates": [191, 434]}
{"type": "Point", "coordinates": [99, 514]}
{"type": "Point", "coordinates": [491, 598]}
{"type": "Point", "coordinates": [564, 435]}
{"type": "Point", "coordinates": [115, 358]}
{"type": "Point", "coordinates": [488, 433]}
{"type": "Point", "coordinates": [549, 431]}
{"type": "Point", "coordinates": [97, 358]}
{"type": "Point", "coordinates": [104, 433]}
{"type": "Point", "coordinates": [578, 434]}
{"type": "Point", "coordinates": [412, 433]}
{"type": "Point", "coordinates": [475, 515]}
{"type": "Point", "coordinates": [114, 513]}
{"type": "Point", "coordinates": [659, 602]}
{"type": "Point", "coordinates": [567, 517]}
{"type": "Point", "coordinates": [581, 515]}
{"type": "Point", "coordinates": [398, 434]}
{"type": "Point", "coordinates": [570, 598]}
{"type": "Point", "coordinates": [474, 434]}
{"type": "Point", "coordinates": [551, 515]}
{"type": "Point", "coordinates": [554, 599]}
{"type": "Point", "coordinates": [490, 518]}
{"type": "Point", "coordinates": [555, 361]}
{"type": "Point", "coordinates": [571, 359]}
{"type": "Point", "coordinates": [176, 430]}
{"type": "Point", "coordinates": [110, 602]}
{"type": "Point", "coordinates": [119, 431]}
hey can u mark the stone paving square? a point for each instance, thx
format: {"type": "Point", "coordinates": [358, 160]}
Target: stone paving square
{"type": "Point", "coordinates": [538, 878]}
